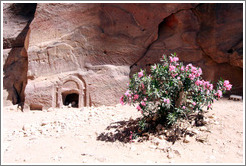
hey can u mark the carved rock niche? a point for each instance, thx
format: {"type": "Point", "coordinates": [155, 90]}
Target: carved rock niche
{"type": "Point", "coordinates": [71, 91]}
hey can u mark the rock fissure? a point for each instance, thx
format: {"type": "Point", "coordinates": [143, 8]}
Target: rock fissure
{"type": "Point", "coordinates": [141, 57]}
{"type": "Point", "coordinates": [153, 42]}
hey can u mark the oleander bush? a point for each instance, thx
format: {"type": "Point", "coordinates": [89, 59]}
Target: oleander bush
{"type": "Point", "coordinates": [171, 91]}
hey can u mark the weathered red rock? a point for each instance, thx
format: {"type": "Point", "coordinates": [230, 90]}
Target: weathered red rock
{"type": "Point", "coordinates": [94, 43]}
{"type": "Point", "coordinates": [209, 35]}
{"type": "Point", "coordinates": [221, 31]}
{"type": "Point", "coordinates": [16, 19]}
{"type": "Point", "coordinates": [86, 52]}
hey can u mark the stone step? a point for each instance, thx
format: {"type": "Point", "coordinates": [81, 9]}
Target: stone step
{"type": "Point", "coordinates": [235, 97]}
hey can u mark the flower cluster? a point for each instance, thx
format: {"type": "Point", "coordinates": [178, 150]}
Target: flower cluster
{"type": "Point", "coordinates": [222, 88]}
{"type": "Point", "coordinates": [218, 94]}
{"type": "Point", "coordinates": [173, 59]}
{"type": "Point", "coordinates": [227, 85]}
{"type": "Point", "coordinates": [167, 101]}
{"type": "Point", "coordinates": [140, 74]}
{"type": "Point", "coordinates": [194, 71]}
{"type": "Point", "coordinates": [204, 85]}
{"type": "Point", "coordinates": [172, 90]}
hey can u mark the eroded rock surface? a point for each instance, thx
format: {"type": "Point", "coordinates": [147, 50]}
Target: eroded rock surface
{"type": "Point", "coordinates": [96, 43]}
{"type": "Point", "coordinates": [16, 20]}
{"type": "Point", "coordinates": [209, 36]}
{"type": "Point", "coordinates": [96, 47]}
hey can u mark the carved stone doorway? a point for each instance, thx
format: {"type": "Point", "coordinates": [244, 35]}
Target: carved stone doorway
{"type": "Point", "coordinates": [71, 90]}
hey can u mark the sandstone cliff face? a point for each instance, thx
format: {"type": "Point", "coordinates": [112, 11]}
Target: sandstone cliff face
{"type": "Point", "coordinates": [16, 20]}
{"type": "Point", "coordinates": [208, 35]}
{"type": "Point", "coordinates": [95, 42]}
{"type": "Point", "coordinates": [90, 50]}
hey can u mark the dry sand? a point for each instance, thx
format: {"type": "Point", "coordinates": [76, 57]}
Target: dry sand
{"type": "Point", "coordinates": [71, 136]}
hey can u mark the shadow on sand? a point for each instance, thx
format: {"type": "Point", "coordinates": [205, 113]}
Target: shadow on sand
{"type": "Point", "coordinates": [120, 131]}
{"type": "Point", "coordinates": [127, 131]}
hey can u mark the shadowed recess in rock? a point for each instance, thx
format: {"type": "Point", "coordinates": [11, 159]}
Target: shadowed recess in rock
{"type": "Point", "coordinates": [17, 18]}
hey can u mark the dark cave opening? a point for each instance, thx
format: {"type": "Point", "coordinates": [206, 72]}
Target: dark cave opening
{"type": "Point", "coordinates": [70, 99]}
{"type": "Point", "coordinates": [24, 9]}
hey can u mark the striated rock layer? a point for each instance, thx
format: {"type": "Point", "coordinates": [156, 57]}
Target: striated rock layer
{"type": "Point", "coordinates": [83, 54]}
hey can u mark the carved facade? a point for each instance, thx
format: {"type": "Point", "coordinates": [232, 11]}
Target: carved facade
{"type": "Point", "coordinates": [71, 90]}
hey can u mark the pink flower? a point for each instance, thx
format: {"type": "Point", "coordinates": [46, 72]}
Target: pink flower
{"type": "Point", "coordinates": [139, 108]}
{"type": "Point", "coordinates": [188, 66]}
{"type": "Point", "coordinates": [202, 82]}
{"type": "Point", "coordinates": [127, 93]}
{"type": "Point", "coordinates": [227, 85]}
{"type": "Point", "coordinates": [136, 96]}
{"type": "Point", "coordinates": [145, 99]}
{"type": "Point", "coordinates": [183, 107]}
{"type": "Point", "coordinates": [167, 101]}
{"type": "Point", "coordinates": [200, 71]}
{"type": "Point", "coordinates": [211, 87]}
{"type": "Point", "coordinates": [226, 82]}
{"type": "Point", "coordinates": [130, 137]}
{"type": "Point", "coordinates": [171, 59]}
{"type": "Point", "coordinates": [194, 103]}
{"type": "Point", "coordinates": [209, 106]}
{"type": "Point", "coordinates": [142, 85]}
{"type": "Point", "coordinates": [206, 84]}
{"type": "Point", "coordinates": [191, 76]}
{"type": "Point", "coordinates": [122, 100]}
{"type": "Point", "coordinates": [182, 68]}
{"type": "Point", "coordinates": [198, 82]}
{"type": "Point", "coordinates": [174, 59]}
{"type": "Point", "coordinates": [193, 70]}
{"type": "Point", "coordinates": [154, 67]}
{"type": "Point", "coordinates": [140, 74]}
{"type": "Point", "coordinates": [173, 75]}
{"type": "Point", "coordinates": [218, 93]}
{"type": "Point", "coordinates": [172, 68]}
{"type": "Point", "coordinates": [143, 103]}
{"type": "Point", "coordinates": [178, 78]}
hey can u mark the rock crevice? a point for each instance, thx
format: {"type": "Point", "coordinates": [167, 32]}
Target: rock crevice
{"type": "Point", "coordinates": [17, 18]}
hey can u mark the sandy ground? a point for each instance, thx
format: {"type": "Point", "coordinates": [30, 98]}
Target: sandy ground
{"type": "Point", "coordinates": [94, 136]}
